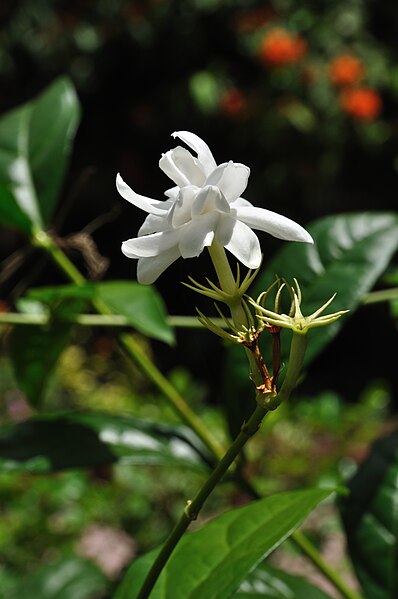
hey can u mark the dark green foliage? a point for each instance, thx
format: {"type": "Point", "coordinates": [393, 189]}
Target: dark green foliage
{"type": "Point", "coordinates": [84, 440]}
{"type": "Point", "coordinates": [371, 520]}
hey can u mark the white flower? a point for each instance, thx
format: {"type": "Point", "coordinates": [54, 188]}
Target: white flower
{"type": "Point", "coordinates": [204, 206]}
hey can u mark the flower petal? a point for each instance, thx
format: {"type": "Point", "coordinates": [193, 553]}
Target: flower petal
{"type": "Point", "coordinates": [149, 269]}
{"type": "Point", "coordinates": [198, 234]}
{"type": "Point", "coordinates": [275, 224]}
{"type": "Point", "coordinates": [150, 245]}
{"type": "Point", "coordinates": [182, 167]}
{"type": "Point", "coordinates": [240, 240]}
{"type": "Point", "coordinates": [180, 212]}
{"type": "Point", "coordinates": [209, 199]}
{"type": "Point", "coordinates": [154, 223]}
{"type": "Point", "coordinates": [147, 204]}
{"type": "Point", "coordinates": [231, 178]}
{"type": "Point", "coordinates": [200, 147]}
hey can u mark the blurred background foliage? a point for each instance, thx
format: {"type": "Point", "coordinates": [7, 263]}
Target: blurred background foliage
{"type": "Point", "coordinates": [304, 93]}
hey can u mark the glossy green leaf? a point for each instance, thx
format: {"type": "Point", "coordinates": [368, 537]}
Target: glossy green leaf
{"type": "Point", "coordinates": [35, 351]}
{"type": "Point", "coordinates": [35, 143]}
{"type": "Point", "coordinates": [69, 578]}
{"type": "Point", "coordinates": [214, 561]}
{"type": "Point", "coordinates": [141, 305]}
{"type": "Point", "coordinates": [370, 518]}
{"type": "Point", "coordinates": [82, 440]}
{"type": "Point", "coordinates": [268, 582]}
{"type": "Point", "coordinates": [351, 251]}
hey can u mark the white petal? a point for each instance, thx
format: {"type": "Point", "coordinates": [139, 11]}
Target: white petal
{"type": "Point", "coordinates": [182, 167]}
{"type": "Point", "coordinates": [209, 199]}
{"type": "Point", "coordinates": [154, 223]}
{"type": "Point", "coordinates": [198, 234]}
{"type": "Point", "coordinates": [240, 202]}
{"type": "Point", "coordinates": [147, 204]}
{"type": "Point", "coordinates": [200, 147]}
{"type": "Point", "coordinates": [150, 245]}
{"type": "Point", "coordinates": [172, 192]}
{"type": "Point", "coordinates": [240, 240]}
{"type": "Point", "coordinates": [180, 213]}
{"type": "Point", "coordinates": [275, 224]}
{"type": "Point", "coordinates": [231, 178]}
{"type": "Point", "coordinates": [149, 269]}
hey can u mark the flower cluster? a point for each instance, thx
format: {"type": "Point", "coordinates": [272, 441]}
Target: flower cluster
{"type": "Point", "coordinates": [363, 103]}
{"type": "Point", "coordinates": [203, 207]}
{"type": "Point", "coordinates": [346, 69]}
{"type": "Point", "coordinates": [279, 47]}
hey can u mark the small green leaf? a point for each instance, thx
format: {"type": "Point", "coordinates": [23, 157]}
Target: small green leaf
{"type": "Point", "coordinates": [349, 254]}
{"type": "Point", "coordinates": [83, 440]}
{"type": "Point", "coordinates": [214, 561]}
{"type": "Point", "coordinates": [69, 578]}
{"type": "Point", "coordinates": [370, 518]}
{"type": "Point", "coordinates": [141, 305]}
{"type": "Point", "coordinates": [35, 142]}
{"type": "Point", "coordinates": [270, 583]}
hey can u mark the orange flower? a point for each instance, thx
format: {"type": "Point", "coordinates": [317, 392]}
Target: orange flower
{"type": "Point", "coordinates": [346, 69]}
{"type": "Point", "coordinates": [280, 47]}
{"type": "Point", "coordinates": [233, 102]}
{"type": "Point", "coordinates": [363, 104]}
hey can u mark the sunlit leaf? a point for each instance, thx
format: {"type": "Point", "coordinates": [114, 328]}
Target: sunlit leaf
{"type": "Point", "coordinates": [214, 561]}
{"type": "Point", "coordinates": [350, 252]}
{"type": "Point", "coordinates": [35, 143]}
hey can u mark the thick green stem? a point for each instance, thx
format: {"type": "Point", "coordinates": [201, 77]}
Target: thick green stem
{"type": "Point", "coordinates": [193, 507]}
{"type": "Point", "coordinates": [296, 358]}
{"type": "Point", "coordinates": [133, 349]}
{"type": "Point", "coordinates": [227, 282]}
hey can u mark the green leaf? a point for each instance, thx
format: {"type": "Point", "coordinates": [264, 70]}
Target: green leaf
{"type": "Point", "coordinates": [83, 440]}
{"type": "Point", "coordinates": [141, 305]}
{"type": "Point", "coordinates": [34, 351]}
{"type": "Point", "coordinates": [214, 561]}
{"type": "Point", "coordinates": [270, 583]}
{"type": "Point", "coordinates": [35, 143]}
{"type": "Point", "coordinates": [69, 578]}
{"type": "Point", "coordinates": [370, 518]}
{"type": "Point", "coordinates": [350, 252]}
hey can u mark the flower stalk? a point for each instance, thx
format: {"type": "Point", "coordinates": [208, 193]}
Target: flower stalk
{"type": "Point", "coordinates": [132, 348]}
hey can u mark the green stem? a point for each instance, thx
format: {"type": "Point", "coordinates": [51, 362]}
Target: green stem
{"type": "Point", "coordinates": [134, 351]}
{"type": "Point", "coordinates": [132, 348]}
{"type": "Point", "coordinates": [193, 507]}
{"type": "Point", "coordinates": [97, 320]}
{"type": "Point", "coordinates": [227, 282]}
{"type": "Point", "coordinates": [44, 241]}
{"type": "Point", "coordinates": [301, 541]}
{"type": "Point", "coordinates": [298, 347]}
{"type": "Point", "coordinates": [384, 295]}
